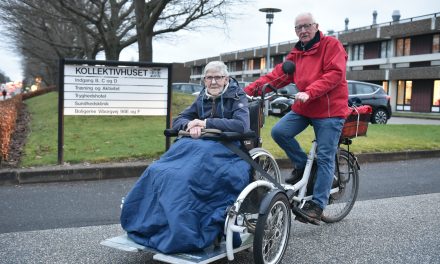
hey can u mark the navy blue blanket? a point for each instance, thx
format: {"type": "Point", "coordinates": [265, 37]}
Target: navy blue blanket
{"type": "Point", "coordinates": [179, 202]}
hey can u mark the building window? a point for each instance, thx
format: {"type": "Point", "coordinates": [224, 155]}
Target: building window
{"type": "Point", "coordinates": [404, 91]}
{"type": "Point", "coordinates": [239, 65]}
{"type": "Point", "coordinates": [385, 86]}
{"type": "Point", "coordinates": [436, 43]}
{"type": "Point", "coordinates": [358, 52]}
{"type": "Point", "coordinates": [196, 70]}
{"type": "Point", "coordinates": [249, 65]}
{"type": "Point", "coordinates": [408, 92]}
{"type": "Point", "coordinates": [403, 47]}
{"type": "Point", "coordinates": [355, 51]}
{"type": "Point", "coordinates": [277, 60]}
{"type": "Point", "coordinates": [232, 66]}
{"type": "Point", "coordinates": [436, 95]}
{"type": "Point", "coordinates": [385, 49]}
{"type": "Point", "coordinates": [400, 92]}
{"type": "Point", "coordinates": [263, 63]}
{"type": "Point", "coordinates": [407, 50]}
{"type": "Point", "coordinates": [257, 63]}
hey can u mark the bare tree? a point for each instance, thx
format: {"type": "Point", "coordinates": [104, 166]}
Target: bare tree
{"type": "Point", "coordinates": [45, 31]}
{"type": "Point", "coordinates": [159, 17]}
{"type": "Point", "coordinates": [43, 35]}
{"type": "Point", "coordinates": [119, 24]}
{"type": "Point", "coordinates": [112, 22]}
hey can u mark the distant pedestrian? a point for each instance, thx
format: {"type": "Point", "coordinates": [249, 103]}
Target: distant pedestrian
{"type": "Point", "coordinates": [4, 93]}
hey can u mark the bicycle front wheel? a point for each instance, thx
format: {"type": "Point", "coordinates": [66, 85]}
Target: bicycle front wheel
{"type": "Point", "coordinates": [344, 189]}
{"type": "Point", "coordinates": [272, 231]}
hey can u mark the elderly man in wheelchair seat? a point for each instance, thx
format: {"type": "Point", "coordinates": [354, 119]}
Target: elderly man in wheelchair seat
{"type": "Point", "coordinates": [179, 202]}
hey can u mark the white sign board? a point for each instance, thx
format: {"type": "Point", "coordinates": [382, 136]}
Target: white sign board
{"type": "Point", "coordinates": [115, 90]}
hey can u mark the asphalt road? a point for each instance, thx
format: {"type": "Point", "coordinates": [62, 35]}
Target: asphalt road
{"type": "Point", "coordinates": [391, 230]}
{"type": "Point", "coordinates": [394, 221]}
{"type": "Point", "coordinates": [86, 203]}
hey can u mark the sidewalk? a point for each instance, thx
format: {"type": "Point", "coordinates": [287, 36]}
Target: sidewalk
{"type": "Point", "coordinates": [81, 172]}
{"type": "Point", "coordinates": [432, 116]}
{"type": "Point", "coordinates": [394, 230]}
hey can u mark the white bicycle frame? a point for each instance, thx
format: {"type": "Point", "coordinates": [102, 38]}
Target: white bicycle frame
{"type": "Point", "coordinates": [301, 186]}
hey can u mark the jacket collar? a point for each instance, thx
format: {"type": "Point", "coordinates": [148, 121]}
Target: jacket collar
{"type": "Point", "coordinates": [300, 46]}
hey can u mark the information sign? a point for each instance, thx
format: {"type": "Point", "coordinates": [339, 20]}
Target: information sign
{"type": "Point", "coordinates": [115, 90]}
{"type": "Point", "coordinates": [112, 88]}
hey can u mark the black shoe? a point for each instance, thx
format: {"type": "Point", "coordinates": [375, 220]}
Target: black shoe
{"type": "Point", "coordinates": [295, 176]}
{"type": "Point", "coordinates": [310, 213]}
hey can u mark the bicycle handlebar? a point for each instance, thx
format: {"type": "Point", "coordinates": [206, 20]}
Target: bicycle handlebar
{"type": "Point", "coordinates": [272, 94]}
{"type": "Point", "coordinates": [264, 96]}
{"type": "Point", "coordinates": [288, 68]}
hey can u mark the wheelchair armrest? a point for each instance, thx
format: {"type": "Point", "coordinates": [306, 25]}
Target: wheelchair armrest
{"type": "Point", "coordinates": [213, 134]}
{"type": "Point", "coordinates": [237, 136]}
{"type": "Point", "coordinates": [170, 132]}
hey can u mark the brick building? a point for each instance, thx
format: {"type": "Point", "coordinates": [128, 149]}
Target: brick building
{"type": "Point", "coordinates": [401, 55]}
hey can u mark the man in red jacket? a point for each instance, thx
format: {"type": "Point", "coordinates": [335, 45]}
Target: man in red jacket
{"type": "Point", "coordinates": [321, 102]}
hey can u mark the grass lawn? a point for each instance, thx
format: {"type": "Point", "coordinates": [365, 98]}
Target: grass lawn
{"type": "Point", "coordinates": [97, 139]}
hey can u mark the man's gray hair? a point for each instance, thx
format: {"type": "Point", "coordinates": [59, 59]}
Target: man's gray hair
{"type": "Point", "coordinates": [219, 66]}
{"type": "Point", "coordinates": [305, 14]}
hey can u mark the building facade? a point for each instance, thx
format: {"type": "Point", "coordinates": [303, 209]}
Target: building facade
{"type": "Point", "coordinates": [402, 55]}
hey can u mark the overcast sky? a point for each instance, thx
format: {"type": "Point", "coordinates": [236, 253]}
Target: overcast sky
{"type": "Point", "coordinates": [250, 29]}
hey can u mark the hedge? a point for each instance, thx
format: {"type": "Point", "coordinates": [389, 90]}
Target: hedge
{"type": "Point", "coordinates": [9, 110]}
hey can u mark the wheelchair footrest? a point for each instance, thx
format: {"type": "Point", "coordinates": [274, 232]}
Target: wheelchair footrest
{"type": "Point", "coordinates": [208, 255]}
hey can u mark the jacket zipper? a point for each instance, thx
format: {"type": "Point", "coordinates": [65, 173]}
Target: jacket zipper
{"type": "Point", "coordinates": [213, 108]}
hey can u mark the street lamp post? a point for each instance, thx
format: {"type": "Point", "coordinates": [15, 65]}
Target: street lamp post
{"type": "Point", "coordinates": [269, 20]}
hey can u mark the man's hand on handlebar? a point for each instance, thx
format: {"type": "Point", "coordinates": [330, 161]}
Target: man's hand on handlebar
{"type": "Point", "coordinates": [263, 94]}
{"type": "Point", "coordinates": [302, 96]}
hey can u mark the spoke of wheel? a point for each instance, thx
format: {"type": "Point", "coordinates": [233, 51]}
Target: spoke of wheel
{"type": "Point", "coordinates": [273, 236]}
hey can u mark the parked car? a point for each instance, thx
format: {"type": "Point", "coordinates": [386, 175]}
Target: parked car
{"type": "Point", "coordinates": [373, 95]}
{"type": "Point", "coordinates": [280, 105]}
{"type": "Point", "coordinates": [189, 88]}
{"type": "Point", "coordinates": [369, 94]}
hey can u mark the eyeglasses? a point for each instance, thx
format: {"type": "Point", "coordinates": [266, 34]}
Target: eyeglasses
{"type": "Point", "coordinates": [305, 26]}
{"type": "Point", "coordinates": [216, 78]}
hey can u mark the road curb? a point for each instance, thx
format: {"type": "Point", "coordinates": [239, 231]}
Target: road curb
{"type": "Point", "coordinates": [396, 156]}
{"type": "Point", "coordinates": [72, 173]}
{"type": "Point", "coordinates": [66, 173]}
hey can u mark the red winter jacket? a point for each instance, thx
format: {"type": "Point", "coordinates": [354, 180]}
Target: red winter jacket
{"type": "Point", "coordinates": [320, 72]}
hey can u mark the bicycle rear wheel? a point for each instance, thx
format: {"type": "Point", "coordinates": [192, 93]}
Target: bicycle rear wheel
{"type": "Point", "coordinates": [346, 182]}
